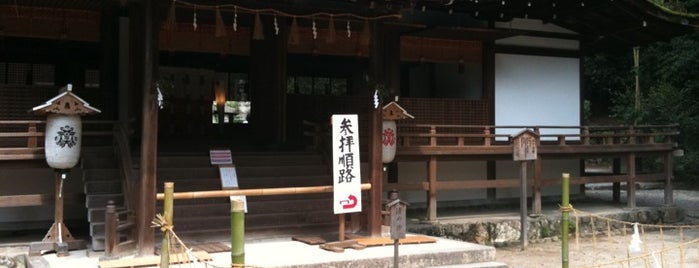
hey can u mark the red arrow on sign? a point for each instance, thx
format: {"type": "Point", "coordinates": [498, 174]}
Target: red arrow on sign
{"type": "Point", "coordinates": [352, 204]}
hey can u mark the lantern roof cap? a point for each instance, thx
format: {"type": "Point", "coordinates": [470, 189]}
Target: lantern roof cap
{"type": "Point", "coordinates": [66, 102]}
{"type": "Point", "coordinates": [393, 111]}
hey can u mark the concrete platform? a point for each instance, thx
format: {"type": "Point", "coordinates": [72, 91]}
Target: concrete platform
{"type": "Point", "coordinates": [287, 253]}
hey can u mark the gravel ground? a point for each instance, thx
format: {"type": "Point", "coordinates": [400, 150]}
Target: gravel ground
{"type": "Point", "coordinates": [604, 251]}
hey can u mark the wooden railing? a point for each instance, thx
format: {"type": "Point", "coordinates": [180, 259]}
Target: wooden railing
{"type": "Point", "coordinates": [434, 143]}
{"type": "Point", "coordinates": [23, 139]}
{"type": "Point", "coordinates": [454, 136]}
{"type": "Point", "coordinates": [114, 227]}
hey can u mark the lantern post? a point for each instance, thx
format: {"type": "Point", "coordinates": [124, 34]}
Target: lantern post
{"type": "Point", "coordinates": [62, 143]}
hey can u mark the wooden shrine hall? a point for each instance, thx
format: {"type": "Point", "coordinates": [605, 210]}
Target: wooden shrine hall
{"type": "Point", "coordinates": [174, 79]}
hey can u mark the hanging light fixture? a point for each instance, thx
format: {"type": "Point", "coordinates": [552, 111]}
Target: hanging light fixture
{"type": "Point", "coordinates": [258, 33]}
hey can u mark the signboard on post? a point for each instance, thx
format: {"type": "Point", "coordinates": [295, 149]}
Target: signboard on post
{"type": "Point", "coordinates": [346, 164]}
{"type": "Point", "coordinates": [229, 181]}
{"type": "Point", "coordinates": [524, 145]}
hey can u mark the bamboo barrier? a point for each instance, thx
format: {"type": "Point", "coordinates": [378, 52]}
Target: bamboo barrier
{"type": "Point", "coordinates": [256, 192]}
{"type": "Point", "coordinates": [237, 233]}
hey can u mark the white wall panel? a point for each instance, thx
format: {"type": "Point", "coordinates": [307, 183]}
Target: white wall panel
{"type": "Point", "coordinates": [537, 90]}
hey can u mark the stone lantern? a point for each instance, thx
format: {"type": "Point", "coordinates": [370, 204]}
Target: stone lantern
{"type": "Point", "coordinates": [391, 112]}
{"type": "Point", "coordinates": [63, 139]}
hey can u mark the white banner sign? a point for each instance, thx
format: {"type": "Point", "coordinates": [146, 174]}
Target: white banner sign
{"type": "Point", "coordinates": [346, 163]}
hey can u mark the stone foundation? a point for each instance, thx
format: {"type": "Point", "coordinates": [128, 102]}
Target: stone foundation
{"type": "Point", "coordinates": [502, 232]}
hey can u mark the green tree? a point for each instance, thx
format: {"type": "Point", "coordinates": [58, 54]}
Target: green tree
{"type": "Point", "coordinates": [669, 73]}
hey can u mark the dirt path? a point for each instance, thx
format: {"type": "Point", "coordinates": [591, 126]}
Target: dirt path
{"type": "Point", "coordinates": [601, 250]}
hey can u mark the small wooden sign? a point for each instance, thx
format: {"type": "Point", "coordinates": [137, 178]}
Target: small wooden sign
{"type": "Point", "coordinates": [229, 181]}
{"type": "Point", "coordinates": [397, 210]}
{"type": "Point", "coordinates": [524, 145]}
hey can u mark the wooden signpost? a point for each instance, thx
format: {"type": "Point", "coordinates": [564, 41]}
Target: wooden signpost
{"type": "Point", "coordinates": [524, 147]}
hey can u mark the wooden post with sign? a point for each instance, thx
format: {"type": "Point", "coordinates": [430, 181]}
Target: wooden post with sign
{"type": "Point", "coordinates": [524, 148]}
{"type": "Point", "coordinates": [397, 210]}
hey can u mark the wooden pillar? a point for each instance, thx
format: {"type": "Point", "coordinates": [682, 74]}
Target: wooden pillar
{"type": "Point", "coordinates": [432, 189]}
{"type": "Point", "coordinates": [616, 186]}
{"type": "Point", "coordinates": [536, 187]}
{"type": "Point", "coordinates": [109, 63]}
{"type": "Point", "coordinates": [268, 75]}
{"type": "Point", "coordinates": [376, 173]}
{"type": "Point", "coordinates": [491, 194]}
{"type": "Point", "coordinates": [149, 125]}
{"type": "Point", "coordinates": [631, 181]}
{"type": "Point", "coordinates": [669, 176]}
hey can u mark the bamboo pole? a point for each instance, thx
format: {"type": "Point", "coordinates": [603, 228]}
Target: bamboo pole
{"type": "Point", "coordinates": [256, 192]}
{"type": "Point", "coordinates": [237, 233]}
{"type": "Point", "coordinates": [565, 207]}
{"type": "Point", "coordinates": [167, 214]}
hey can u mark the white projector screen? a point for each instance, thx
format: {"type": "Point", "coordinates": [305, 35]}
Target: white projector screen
{"type": "Point", "coordinates": [537, 90]}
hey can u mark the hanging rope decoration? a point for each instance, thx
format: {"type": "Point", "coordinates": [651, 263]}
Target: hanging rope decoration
{"type": "Point", "coordinates": [258, 33]}
{"type": "Point", "coordinates": [194, 18]}
{"type": "Point", "coordinates": [235, 19]}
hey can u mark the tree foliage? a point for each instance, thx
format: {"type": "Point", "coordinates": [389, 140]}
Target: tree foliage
{"type": "Point", "coordinates": [669, 85]}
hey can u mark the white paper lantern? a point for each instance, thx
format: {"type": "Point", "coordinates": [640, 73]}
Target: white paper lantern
{"type": "Point", "coordinates": [63, 140]}
{"type": "Point", "coordinates": [63, 127]}
{"type": "Point", "coordinates": [389, 134]}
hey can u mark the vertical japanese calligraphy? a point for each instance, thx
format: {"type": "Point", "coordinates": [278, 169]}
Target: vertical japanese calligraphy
{"type": "Point", "coordinates": [346, 164]}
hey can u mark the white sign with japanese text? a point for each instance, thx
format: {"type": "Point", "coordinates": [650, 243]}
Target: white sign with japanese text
{"type": "Point", "coordinates": [346, 164]}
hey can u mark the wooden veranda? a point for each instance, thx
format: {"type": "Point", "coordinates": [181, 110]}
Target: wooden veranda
{"type": "Point", "coordinates": [22, 140]}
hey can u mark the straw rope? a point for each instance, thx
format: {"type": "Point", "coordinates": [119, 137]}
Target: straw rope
{"type": "Point", "coordinates": [651, 255]}
{"type": "Point", "coordinates": [270, 11]}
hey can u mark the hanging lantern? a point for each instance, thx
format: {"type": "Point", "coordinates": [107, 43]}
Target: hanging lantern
{"type": "Point", "coordinates": [391, 112]}
{"type": "Point", "coordinates": [63, 128]}
{"type": "Point", "coordinates": [388, 134]}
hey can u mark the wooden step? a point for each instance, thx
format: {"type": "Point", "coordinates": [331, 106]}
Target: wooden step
{"type": "Point", "coordinates": [102, 187]}
{"type": "Point", "coordinates": [100, 201]}
{"type": "Point", "coordinates": [101, 174]}
{"type": "Point", "coordinates": [273, 171]}
{"type": "Point", "coordinates": [97, 214]}
{"type": "Point", "coordinates": [98, 161]}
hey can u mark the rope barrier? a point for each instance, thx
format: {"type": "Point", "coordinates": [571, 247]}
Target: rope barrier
{"type": "Point", "coordinates": [649, 255]}
{"type": "Point", "coordinates": [661, 257]}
